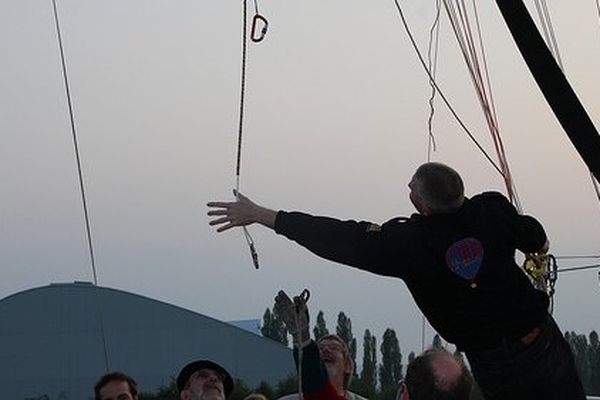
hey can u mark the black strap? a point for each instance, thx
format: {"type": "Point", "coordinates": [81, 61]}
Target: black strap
{"type": "Point", "coordinates": [552, 82]}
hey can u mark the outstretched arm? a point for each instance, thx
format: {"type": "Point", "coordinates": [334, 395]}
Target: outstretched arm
{"type": "Point", "coordinates": [241, 212]}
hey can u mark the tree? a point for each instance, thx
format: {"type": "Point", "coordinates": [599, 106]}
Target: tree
{"type": "Point", "coordinates": [266, 389]}
{"type": "Point", "coordinates": [411, 357]}
{"type": "Point", "coordinates": [287, 386]}
{"type": "Point", "coordinates": [240, 390]}
{"type": "Point", "coordinates": [273, 326]}
{"type": "Point", "coordinates": [390, 369]}
{"type": "Point", "coordinates": [320, 328]}
{"type": "Point", "coordinates": [165, 392]}
{"type": "Point", "coordinates": [344, 331]}
{"type": "Point", "coordinates": [368, 375]}
{"type": "Point", "coordinates": [594, 362]}
{"type": "Point", "coordinates": [579, 347]}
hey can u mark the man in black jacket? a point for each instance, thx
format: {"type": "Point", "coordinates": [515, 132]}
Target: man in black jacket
{"type": "Point", "coordinates": [456, 256]}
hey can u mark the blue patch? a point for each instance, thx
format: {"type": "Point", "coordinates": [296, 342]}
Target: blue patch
{"type": "Point", "coordinates": [464, 258]}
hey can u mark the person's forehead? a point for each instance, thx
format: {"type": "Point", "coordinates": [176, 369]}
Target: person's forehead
{"type": "Point", "coordinates": [203, 371]}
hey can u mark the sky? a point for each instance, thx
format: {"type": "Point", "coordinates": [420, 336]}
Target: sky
{"type": "Point", "coordinates": [335, 125]}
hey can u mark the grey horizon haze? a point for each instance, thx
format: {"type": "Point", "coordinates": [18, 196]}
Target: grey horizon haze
{"type": "Point", "coordinates": [336, 124]}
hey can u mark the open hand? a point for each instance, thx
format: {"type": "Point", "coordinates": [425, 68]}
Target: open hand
{"type": "Point", "coordinates": [241, 212]}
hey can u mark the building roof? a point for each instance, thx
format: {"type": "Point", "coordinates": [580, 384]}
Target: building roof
{"type": "Point", "coordinates": [58, 339]}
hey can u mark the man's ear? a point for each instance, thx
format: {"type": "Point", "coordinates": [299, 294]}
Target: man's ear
{"type": "Point", "coordinates": [184, 395]}
{"type": "Point", "coordinates": [349, 366]}
{"type": "Point", "coordinates": [404, 395]}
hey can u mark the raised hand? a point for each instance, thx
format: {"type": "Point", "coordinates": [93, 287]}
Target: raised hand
{"type": "Point", "coordinates": [241, 212]}
{"type": "Point", "coordinates": [295, 315]}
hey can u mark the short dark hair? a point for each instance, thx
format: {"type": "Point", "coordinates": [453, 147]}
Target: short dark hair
{"type": "Point", "coordinates": [440, 186]}
{"type": "Point", "coordinates": [422, 382]}
{"type": "Point", "coordinates": [115, 376]}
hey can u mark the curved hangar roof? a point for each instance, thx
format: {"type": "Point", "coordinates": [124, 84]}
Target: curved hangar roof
{"type": "Point", "coordinates": [51, 342]}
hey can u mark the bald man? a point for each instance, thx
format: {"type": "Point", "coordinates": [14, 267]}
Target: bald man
{"type": "Point", "coordinates": [457, 258]}
{"type": "Point", "coordinates": [434, 375]}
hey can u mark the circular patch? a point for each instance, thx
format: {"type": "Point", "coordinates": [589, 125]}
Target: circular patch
{"type": "Point", "coordinates": [465, 257]}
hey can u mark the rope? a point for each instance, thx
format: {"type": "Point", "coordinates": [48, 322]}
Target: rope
{"type": "Point", "coordinates": [75, 145]}
{"type": "Point", "coordinates": [550, 38]}
{"type": "Point", "coordinates": [433, 47]}
{"type": "Point", "coordinates": [437, 88]}
{"type": "Point", "coordinates": [303, 299]}
{"type": "Point", "coordinates": [576, 257]}
{"type": "Point", "coordinates": [548, 30]}
{"type": "Point", "coordinates": [81, 184]}
{"type": "Point", "coordinates": [475, 58]}
{"type": "Point", "coordinates": [583, 268]}
{"type": "Point", "coordinates": [238, 167]}
{"type": "Point", "coordinates": [300, 358]}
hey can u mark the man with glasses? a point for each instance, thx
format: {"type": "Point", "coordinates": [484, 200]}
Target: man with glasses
{"type": "Point", "coordinates": [204, 380]}
{"type": "Point", "coordinates": [434, 375]}
{"type": "Point", "coordinates": [327, 367]}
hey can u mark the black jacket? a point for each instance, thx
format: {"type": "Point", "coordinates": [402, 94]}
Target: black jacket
{"type": "Point", "coordinates": [459, 267]}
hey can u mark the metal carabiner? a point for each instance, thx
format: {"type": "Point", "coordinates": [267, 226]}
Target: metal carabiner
{"type": "Point", "coordinates": [263, 32]}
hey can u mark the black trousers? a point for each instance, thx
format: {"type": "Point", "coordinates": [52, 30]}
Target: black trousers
{"type": "Point", "coordinates": [544, 369]}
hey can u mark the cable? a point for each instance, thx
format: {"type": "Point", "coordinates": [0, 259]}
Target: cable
{"type": "Point", "coordinates": [75, 145]}
{"type": "Point", "coordinates": [433, 47]}
{"type": "Point", "coordinates": [238, 166]}
{"type": "Point", "coordinates": [576, 257]}
{"type": "Point", "coordinates": [442, 95]}
{"type": "Point", "coordinates": [552, 43]}
{"type": "Point", "coordinates": [81, 185]}
{"type": "Point", "coordinates": [475, 59]}
{"type": "Point", "coordinates": [586, 267]}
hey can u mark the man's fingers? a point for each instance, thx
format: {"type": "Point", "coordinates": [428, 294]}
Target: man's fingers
{"type": "Point", "coordinates": [220, 204]}
{"type": "Point", "coordinates": [225, 227]}
{"type": "Point", "coordinates": [218, 212]}
{"type": "Point", "coordinates": [219, 221]}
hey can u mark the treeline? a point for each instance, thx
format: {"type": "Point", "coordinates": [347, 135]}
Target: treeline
{"type": "Point", "coordinates": [382, 364]}
{"type": "Point", "coordinates": [587, 360]}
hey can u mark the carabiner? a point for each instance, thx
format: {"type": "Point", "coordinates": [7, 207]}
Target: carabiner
{"type": "Point", "coordinates": [263, 32]}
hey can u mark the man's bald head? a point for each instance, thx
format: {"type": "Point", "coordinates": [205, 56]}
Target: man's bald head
{"type": "Point", "coordinates": [436, 189]}
{"type": "Point", "coordinates": [438, 375]}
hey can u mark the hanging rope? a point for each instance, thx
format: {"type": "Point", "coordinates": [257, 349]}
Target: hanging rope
{"type": "Point", "coordinates": [256, 38]}
{"type": "Point", "coordinates": [81, 185]}
{"type": "Point", "coordinates": [470, 41]}
{"type": "Point", "coordinates": [582, 268]}
{"type": "Point", "coordinates": [432, 61]}
{"type": "Point", "coordinates": [432, 58]}
{"type": "Point", "coordinates": [75, 145]}
{"type": "Point", "coordinates": [439, 91]}
{"type": "Point", "coordinates": [552, 43]}
{"type": "Point", "coordinates": [548, 30]}
{"type": "Point", "coordinates": [577, 257]}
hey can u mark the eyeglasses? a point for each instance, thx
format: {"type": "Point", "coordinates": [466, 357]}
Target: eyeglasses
{"type": "Point", "coordinates": [332, 346]}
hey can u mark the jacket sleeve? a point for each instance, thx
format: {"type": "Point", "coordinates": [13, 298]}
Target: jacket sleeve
{"type": "Point", "coordinates": [315, 380]}
{"type": "Point", "coordinates": [528, 233]}
{"type": "Point", "coordinates": [359, 244]}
